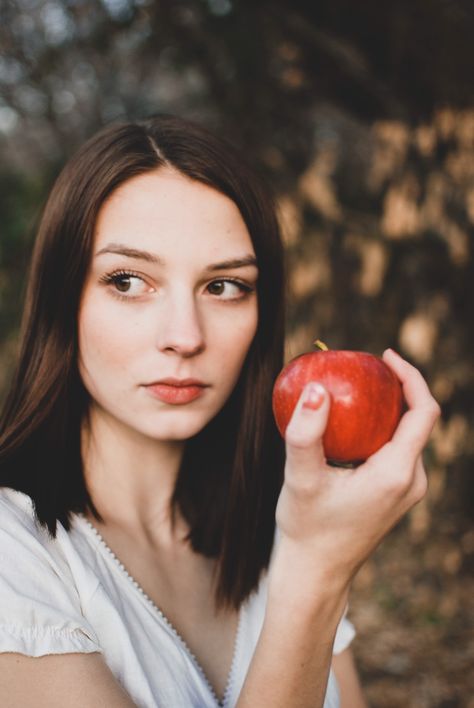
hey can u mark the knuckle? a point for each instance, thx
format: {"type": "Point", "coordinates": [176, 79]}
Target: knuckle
{"type": "Point", "coordinates": [397, 485]}
{"type": "Point", "coordinates": [298, 438]}
{"type": "Point", "coordinates": [432, 411]}
{"type": "Point", "coordinates": [302, 487]}
{"type": "Point", "coordinates": [435, 409]}
{"type": "Point", "coordinates": [419, 489]}
{"type": "Point", "coordinates": [420, 482]}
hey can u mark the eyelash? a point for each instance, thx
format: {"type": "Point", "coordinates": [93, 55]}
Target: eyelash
{"type": "Point", "coordinates": [113, 278]}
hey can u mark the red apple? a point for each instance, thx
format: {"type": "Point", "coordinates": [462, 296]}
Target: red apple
{"type": "Point", "coordinates": [366, 400]}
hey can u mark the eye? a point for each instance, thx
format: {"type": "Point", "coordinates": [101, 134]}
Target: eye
{"type": "Point", "coordinates": [229, 289]}
{"type": "Point", "coordinates": [126, 284]}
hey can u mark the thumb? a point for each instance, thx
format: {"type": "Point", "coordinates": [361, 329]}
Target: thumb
{"type": "Point", "coordinates": [303, 436]}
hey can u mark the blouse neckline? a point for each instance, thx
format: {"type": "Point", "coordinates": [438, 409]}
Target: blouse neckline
{"type": "Point", "coordinates": [220, 702]}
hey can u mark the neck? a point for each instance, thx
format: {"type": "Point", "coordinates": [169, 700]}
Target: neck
{"type": "Point", "coordinates": [131, 477]}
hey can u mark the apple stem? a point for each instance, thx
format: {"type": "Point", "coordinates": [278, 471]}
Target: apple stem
{"type": "Point", "coordinates": [318, 343]}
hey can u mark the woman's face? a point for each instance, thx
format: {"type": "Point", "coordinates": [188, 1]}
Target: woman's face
{"type": "Point", "coordinates": [171, 294]}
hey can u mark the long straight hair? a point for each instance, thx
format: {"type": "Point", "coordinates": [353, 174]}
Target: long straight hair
{"type": "Point", "coordinates": [232, 470]}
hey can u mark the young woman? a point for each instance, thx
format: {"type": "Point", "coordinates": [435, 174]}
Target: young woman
{"type": "Point", "coordinates": [141, 471]}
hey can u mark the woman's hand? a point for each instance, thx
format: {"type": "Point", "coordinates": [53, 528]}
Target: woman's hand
{"type": "Point", "coordinates": [331, 519]}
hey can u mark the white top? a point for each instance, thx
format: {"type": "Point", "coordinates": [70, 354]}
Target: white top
{"type": "Point", "coordinates": [71, 594]}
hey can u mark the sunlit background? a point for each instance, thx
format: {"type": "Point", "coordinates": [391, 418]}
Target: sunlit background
{"type": "Point", "coordinates": [361, 118]}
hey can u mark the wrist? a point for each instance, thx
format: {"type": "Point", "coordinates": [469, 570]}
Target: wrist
{"type": "Point", "coordinates": [303, 580]}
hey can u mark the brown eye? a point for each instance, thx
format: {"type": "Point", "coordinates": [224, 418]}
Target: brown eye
{"type": "Point", "coordinates": [122, 283]}
{"type": "Point", "coordinates": [229, 289]}
{"type": "Point", "coordinates": [217, 287]}
{"type": "Point", "coordinates": [126, 285]}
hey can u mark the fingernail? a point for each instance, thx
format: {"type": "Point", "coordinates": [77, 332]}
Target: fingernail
{"type": "Point", "coordinates": [313, 396]}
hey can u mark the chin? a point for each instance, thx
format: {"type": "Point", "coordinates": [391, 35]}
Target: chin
{"type": "Point", "coordinates": [174, 431]}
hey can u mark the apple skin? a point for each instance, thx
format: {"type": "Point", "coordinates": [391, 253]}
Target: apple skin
{"type": "Point", "coordinates": [365, 395]}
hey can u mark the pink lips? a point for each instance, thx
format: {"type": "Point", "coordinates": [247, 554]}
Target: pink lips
{"type": "Point", "coordinates": [176, 391]}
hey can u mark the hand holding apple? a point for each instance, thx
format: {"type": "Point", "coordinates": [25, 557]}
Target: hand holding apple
{"type": "Point", "coordinates": [366, 400]}
{"type": "Point", "coordinates": [330, 519]}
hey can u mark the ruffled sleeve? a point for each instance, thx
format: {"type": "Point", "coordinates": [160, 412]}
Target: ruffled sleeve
{"type": "Point", "coordinates": [40, 607]}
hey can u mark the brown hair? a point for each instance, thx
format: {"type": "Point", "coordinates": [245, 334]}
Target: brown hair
{"type": "Point", "coordinates": [232, 470]}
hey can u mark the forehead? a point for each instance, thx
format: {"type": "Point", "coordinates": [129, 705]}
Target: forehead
{"type": "Point", "coordinates": [166, 210]}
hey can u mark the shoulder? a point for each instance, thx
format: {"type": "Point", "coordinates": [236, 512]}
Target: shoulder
{"type": "Point", "coordinates": [40, 606]}
{"type": "Point", "coordinates": [17, 520]}
{"type": "Point", "coordinates": [28, 553]}
{"type": "Point", "coordinates": [21, 533]}
{"type": "Point", "coordinates": [28, 550]}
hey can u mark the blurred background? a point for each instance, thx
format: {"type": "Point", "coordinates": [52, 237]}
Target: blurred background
{"type": "Point", "coordinates": [360, 116]}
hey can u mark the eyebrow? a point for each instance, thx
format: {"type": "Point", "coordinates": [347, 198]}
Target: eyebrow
{"type": "Point", "coordinates": [121, 250]}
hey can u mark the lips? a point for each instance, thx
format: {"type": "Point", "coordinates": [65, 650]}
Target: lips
{"type": "Point", "coordinates": [177, 391]}
{"type": "Point", "coordinates": [179, 382]}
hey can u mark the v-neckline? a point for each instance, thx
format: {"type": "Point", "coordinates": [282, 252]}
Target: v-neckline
{"type": "Point", "coordinates": [220, 702]}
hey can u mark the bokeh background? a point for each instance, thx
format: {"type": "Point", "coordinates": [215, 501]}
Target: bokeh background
{"type": "Point", "coordinates": [360, 115]}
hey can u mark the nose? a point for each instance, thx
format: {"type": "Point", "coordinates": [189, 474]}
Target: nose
{"type": "Point", "coordinates": [180, 328]}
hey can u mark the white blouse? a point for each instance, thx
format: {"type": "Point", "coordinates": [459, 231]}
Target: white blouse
{"type": "Point", "coordinates": [72, 594]}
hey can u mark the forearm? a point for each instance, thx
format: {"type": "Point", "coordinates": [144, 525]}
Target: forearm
{"type": "Point", "coordinates": [293, 656]}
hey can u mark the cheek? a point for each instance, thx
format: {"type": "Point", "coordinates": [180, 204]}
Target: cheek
{"type": "Point", "coordinates": [105, 345]}
{"type": "Point", "coordinates": [236, 339]}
